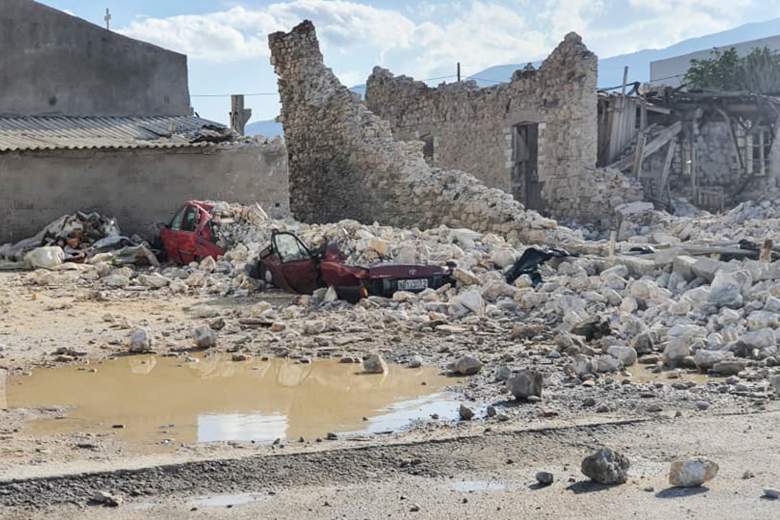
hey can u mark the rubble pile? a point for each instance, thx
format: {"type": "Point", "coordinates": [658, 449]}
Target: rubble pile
{"type": "Point", "coordinates": [78, 237]}
{"type": "Point", "coordinates": [604, 314]}
{"type": "Point", "coordinates": [751, 220]}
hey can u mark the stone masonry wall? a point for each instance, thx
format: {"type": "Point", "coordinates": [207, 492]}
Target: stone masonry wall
{"type": "Point", "coordinates": [345, 163]}
{"type": "Point", "coordinates": [472, 127]}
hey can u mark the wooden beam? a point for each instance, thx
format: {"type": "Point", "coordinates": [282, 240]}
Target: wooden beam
{"type": "Point", "coordinates": [653, 146]}
{"type": "Point", "coordinates": [667, 168]}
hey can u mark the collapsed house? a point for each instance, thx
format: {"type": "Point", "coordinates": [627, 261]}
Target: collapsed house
{"type": "Point", "coordinates": [344, 162]}
{"type": "Point", "coordinates": [526, 137]}
{"type": "Point", "coordinates": [93, 120]}
{"type": "Point", "coordinates": [715, 149]}
{"type": "Point", "coordinates": [534, 137]}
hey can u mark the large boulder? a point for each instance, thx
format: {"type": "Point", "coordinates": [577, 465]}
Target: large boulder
{"type": "Point", "coordinates": [606, 466]}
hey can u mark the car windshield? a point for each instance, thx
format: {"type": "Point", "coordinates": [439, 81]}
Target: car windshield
{"type": "Point", "coordinates": [289, 248]}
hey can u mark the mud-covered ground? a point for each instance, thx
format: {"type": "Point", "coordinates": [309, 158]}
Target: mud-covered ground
{"type": "Point", "coordinates": [68, 322]}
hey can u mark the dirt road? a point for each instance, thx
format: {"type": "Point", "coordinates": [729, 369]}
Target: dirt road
{"type": "Point", "coordinates": [485, 475]}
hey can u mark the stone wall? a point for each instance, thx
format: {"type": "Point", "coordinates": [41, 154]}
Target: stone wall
{"type": "Point", "coordinates": [345, 163]}
{"type": "Point", "coordinates": [138, 187]}
{"type": "Point", "coordinates": [472, 128]}
{"type": "Point", "coordinates": [54, 63]}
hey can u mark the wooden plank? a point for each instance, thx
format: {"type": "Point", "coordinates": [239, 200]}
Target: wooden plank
{"type": "Point", "coordinates": [653, 146]}
{"type": "Point", "coordinates": [639, 154]}
{"type": "Point", "coordinates": [667, 168]}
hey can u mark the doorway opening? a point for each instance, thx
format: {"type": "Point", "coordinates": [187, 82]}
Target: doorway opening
{"type": "Point", "coordinates": [526, 186]}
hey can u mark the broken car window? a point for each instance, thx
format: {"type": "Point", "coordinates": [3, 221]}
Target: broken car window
{"type": "Point", "coordinates": [190, 221]}
{"type": "Point", "coordinates": [290, 248]}
{"type": "Point", "coordinates": [176, 222]}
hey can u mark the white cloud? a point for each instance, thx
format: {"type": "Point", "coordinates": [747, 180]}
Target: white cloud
{"type": "Point", "coordinates": [425, 42]}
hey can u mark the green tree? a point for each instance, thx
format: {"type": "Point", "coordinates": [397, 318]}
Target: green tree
{"type": "Point", "coordinates": [757, 72]}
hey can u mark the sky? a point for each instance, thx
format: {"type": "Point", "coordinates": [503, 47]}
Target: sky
{"type": "Point", "coordinates": [226, 40]}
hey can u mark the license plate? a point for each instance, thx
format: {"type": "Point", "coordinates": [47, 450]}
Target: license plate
{"type": "Point", "coordinates": [415, 284]}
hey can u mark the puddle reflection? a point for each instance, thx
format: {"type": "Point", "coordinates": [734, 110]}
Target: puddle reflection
{"type": "Point", "coordinates": [149, 398]}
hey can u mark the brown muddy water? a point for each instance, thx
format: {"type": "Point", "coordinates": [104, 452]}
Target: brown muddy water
{"type": "Point", "coordinates": [157, 400]}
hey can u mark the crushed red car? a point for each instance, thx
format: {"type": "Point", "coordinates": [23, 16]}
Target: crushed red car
{"type": "Point", "coordinates": [192, 234]}
{"type": "Point", "coordinates": [291, 265]}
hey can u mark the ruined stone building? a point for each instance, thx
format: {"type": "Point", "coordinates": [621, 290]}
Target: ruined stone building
{"type": "Point", "coordinates": [344, 161]}
{"type": "Point", "coordinates": [90, 119]}
{"type": "Point", "coordinates": [715, 149]}
{"type": "Point", "coordinates": [532, 137]}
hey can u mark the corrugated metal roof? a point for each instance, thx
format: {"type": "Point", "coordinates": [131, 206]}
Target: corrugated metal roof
{"type": "Point", "coordinates": [19, 133]}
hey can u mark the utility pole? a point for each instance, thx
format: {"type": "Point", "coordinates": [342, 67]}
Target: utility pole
{"type": "Point", "coordinates": [107, 18]}
{"type": "Point", "coordinates": [458, 72]}
{"type": "Point", "coordinates": [238, 114]}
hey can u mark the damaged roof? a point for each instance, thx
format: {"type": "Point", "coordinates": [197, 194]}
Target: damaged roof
{"type": "Point", "coordinates": [21, 133]}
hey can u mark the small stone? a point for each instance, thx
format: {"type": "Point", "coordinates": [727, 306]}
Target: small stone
{"type": "Point", "coordinates": [729, 367]}
{"type": "Point", "coordinates": [692, 472]}
{"type": "Point", "coordinates": [374, 364]}
{"type": "Point", "coordinates": [772, 493]}
{"type": "Point", "coordinates": [204, 336]}
{"type": "Point", "coordinates": [331, 436]}
{"type": "Point", "coordinates": [503, 373]}
{"type": "Point", "coordinates": [525, 384]}
{"type": "Point", "coordinates": [702, 405]}
{"type": "Point", "coordinates": [491, 411]}
{"type": "Point", "coordinates": [415, 362]}
{"type": "Point", "coordinates": [107, 499]}
{"type": "Point", "coordinates": [626, 355]}
{"type": "Point", "coordinates": [544, 478]}
{"type": "Point", "coordinates": [606, 466]}
{"type": "Point", "coordinates": [466, 413]}
{"type": "Point", "coordinates": [141, 340]}
{"type": "Point", "coordinates": [467, 366]}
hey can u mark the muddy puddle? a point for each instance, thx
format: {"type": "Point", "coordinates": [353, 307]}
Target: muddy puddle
{"type": "Point", "coordinates": [158, 400]}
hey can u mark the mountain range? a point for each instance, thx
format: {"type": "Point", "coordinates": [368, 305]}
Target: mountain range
{"type": "Point", "coordinates": [610, 69]}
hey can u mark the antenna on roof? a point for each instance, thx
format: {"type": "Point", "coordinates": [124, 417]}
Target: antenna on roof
{"type": "Point", "coordinates": [107, 18]}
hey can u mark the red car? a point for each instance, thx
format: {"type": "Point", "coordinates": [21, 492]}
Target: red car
{"type": "Point", "coordinates": [192, 234]}
{"type": "Point", "coordinates": [290, 265]}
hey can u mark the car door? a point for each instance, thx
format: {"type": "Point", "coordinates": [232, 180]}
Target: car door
{"type": "Point", "coordinates": [296, 264]}
{"type": "Point", "coordinates": [179, 237]}
{"type": "Point", "coordinates": [205, 237]}
{"type": "Point", "coordinates": [169, 235]}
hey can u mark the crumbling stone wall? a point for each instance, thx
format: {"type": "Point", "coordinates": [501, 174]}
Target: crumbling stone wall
{"type": "Point", "coordinates": [472, 128]}
{"type": "Point", "coordinates": [345, 163]}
